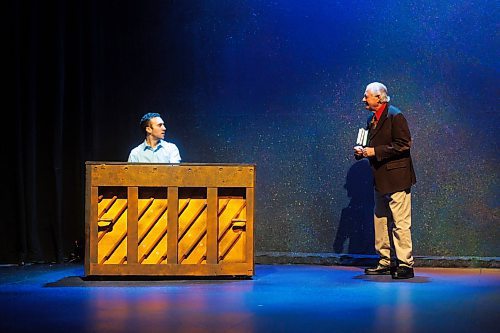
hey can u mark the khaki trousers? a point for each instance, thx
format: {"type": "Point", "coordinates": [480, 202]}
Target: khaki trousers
{"type": "Point", "coordinates": [392, 220]}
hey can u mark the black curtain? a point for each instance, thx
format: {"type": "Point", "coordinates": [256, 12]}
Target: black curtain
{"type": "Point", "coordinates": [48, 129]}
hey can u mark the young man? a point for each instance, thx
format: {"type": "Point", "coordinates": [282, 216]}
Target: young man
{"type": "Point", "coordinates": [154, 149]}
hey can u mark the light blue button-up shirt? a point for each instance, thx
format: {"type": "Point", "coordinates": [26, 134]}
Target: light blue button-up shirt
{"type": "Point", "coordinates": [164, 152]}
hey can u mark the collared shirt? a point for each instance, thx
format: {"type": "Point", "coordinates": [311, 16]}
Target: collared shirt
{"type": "Point", "coordinates": [379, 112]}
{"type": "Point", "coordinates": [164, 152]}
{"type": "Point", "coordinates": [377, 115]}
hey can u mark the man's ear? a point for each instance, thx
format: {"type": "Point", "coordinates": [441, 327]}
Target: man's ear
{"type": "Point", "coordinates": [149, 130]}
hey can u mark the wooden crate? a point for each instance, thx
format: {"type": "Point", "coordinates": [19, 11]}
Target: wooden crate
{"type": "Point", "coordinates": [169, 219]}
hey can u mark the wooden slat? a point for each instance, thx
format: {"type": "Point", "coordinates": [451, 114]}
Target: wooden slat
{"type": "Point", "coordinates": [132, 219]}
{"type": "Point", "coordinates": [187, 219]}
{"type": "Point", "coordinates": [108, 241]}
{"type": "Point", "coordinates": [249, 239]}
{"type": "Point", "coordinates": [114, 214]}
{"type": "Point", "coordinates": [105, 204]}
{"type": "Point", "coordinates": [193, 242]}
{"type": "Point", "coordinates": [92, 225]}
{"type": "Point", "coordinates": [230, 241]}
{"type": "Point", "coordinates": [152, 222]}
{"type": "Point", "coordinates": [196, 248]}
{"type": "Point", "coordinates": [212, 227]}
{"type": "Point", "coordinates": [172, 224]}
{"type": "Point", "coordinates": [199, 253]}
{"type": "Point", "coordinates": [120, 249]}
{"type": "Point", "coordinates": [158, 211]}
{"type": "Point", "coordinates": [89, 205]}
{"type": "Point", "coordinates": [154, 241]}
{"type": "Point", "coordinates": [161, 249]}
{"type": "Point", "coordinates": [172, 175]}
{"type": "Point", "coordinates": [234, 269]}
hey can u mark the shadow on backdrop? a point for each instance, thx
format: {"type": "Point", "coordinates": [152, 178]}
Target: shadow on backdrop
{"type": "Point", "coordinates": [355, 234]}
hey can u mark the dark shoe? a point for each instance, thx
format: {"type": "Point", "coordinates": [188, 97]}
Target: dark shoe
{"type": "Point", "coordinates": [379, 270]}
{"type": "Point", "coordinates": [403, 272]}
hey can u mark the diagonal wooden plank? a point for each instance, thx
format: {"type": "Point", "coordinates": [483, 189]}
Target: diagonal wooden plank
{"type": "Point", "coordinates": [105, 204]}
{"type": "Point", "coordinates": [118, 251]}
{"type": "Point", "coordinates": [195, 249]}
{"type": "Point", "coordinates": [156, 252]}
{"type": "Point", "coordinates": [226, 221]}
{"type": "Point", "coordinates": [190, 215]}
{"type": "Point", "coordinates": [113, 215]}
{"type": "Point", "coordinates": [233, 245]}
{"type": "Point", "coordinates": [111, 239]}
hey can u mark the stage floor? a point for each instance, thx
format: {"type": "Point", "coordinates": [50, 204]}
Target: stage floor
{"type": "Point", "coordinates": [280, 298]}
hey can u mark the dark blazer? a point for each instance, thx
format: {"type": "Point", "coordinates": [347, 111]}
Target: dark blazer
{"type": "Point", "coordinates": [392, 165]}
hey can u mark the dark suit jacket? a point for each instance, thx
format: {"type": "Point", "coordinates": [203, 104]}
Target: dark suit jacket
{"type": "Point", "coordinates": [392, 165]}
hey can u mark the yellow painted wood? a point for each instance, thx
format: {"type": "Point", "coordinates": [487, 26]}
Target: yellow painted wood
{"type": "Point", "coordinates": [154, 241]}
{"type": "Point", "coordinates": [119, 252]}
{"type": "Point", "coordinates": [190, 214]}
{"type": "Point", "coordinates": [105, 204]}
{"type": "Point", "coordinates": [110, 240]}
{"type": "Point", "coordinates": [233, 246]}
{"type": "Point", "coordinates": [155, 215]}
{"type": "Point", "coordinates": [230, 238]}
{"type": "Point", "coordinates": [194, 230]}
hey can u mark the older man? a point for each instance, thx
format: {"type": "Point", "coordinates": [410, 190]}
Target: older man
{"type": "Point", "coordinates": [388, 150]}
{"type": "Point", "coordinates": [154, 149]}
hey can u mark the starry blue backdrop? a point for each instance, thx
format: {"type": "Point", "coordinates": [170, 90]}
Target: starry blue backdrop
{"type": "Point", "coordinates": [279, 84]}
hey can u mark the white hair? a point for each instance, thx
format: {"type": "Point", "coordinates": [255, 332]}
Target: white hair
{"type": "Point", "coordinates": [378, 89]}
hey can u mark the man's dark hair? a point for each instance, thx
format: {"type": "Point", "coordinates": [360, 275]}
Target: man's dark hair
{"type": "Point", "coordinates": [147, 118]}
